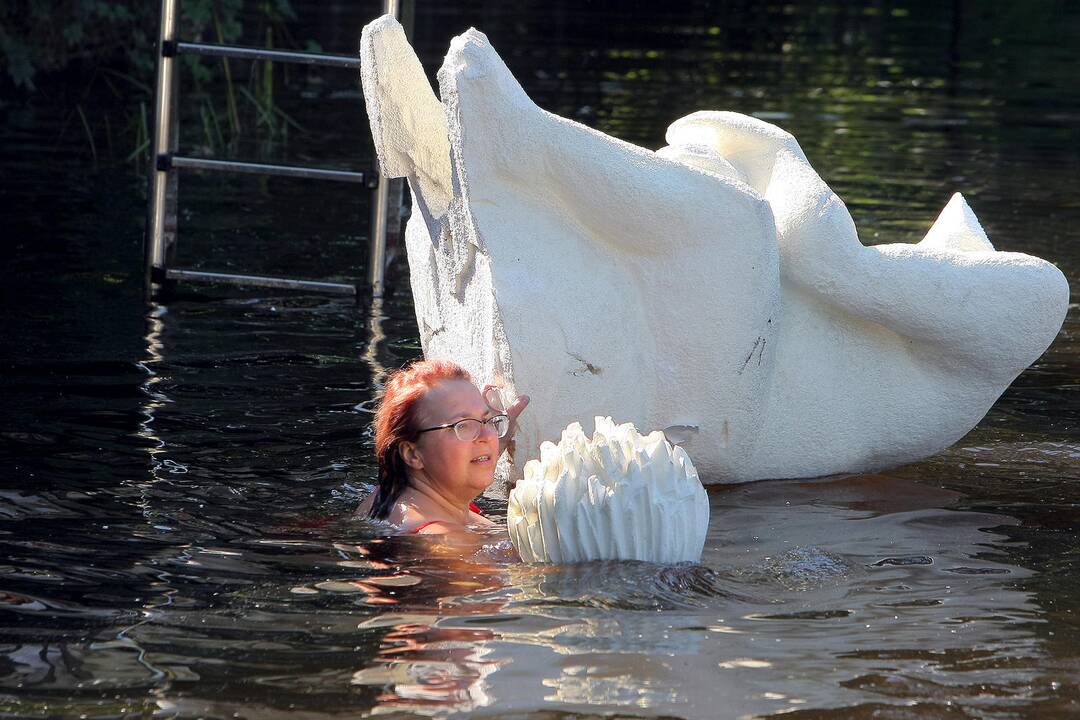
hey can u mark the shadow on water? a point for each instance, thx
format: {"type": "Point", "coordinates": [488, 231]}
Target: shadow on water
{"type": "Point", "coordinates": [176, 530]}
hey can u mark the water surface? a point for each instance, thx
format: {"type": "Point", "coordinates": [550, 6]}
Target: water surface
{"type": "Point", "coordinates": [179, 479]}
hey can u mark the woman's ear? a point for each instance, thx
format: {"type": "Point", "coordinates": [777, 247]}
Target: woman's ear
{"type": "Point", "coordinates": [411, 455]}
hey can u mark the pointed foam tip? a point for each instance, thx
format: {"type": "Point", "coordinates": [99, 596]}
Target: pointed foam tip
{"type": "Point", "coordinates": [957, 228]}
{"type": "Point", "coordinates": [470, 49]}
{"type": "Point", "coordinates": [377, 37]}
{"type": "Point", "coordinates": [381, 23]}
{"type": "Point", "coordinates": [471, 35]}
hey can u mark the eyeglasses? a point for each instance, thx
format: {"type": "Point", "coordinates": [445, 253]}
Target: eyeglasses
{"type": "Point", "coordinates": [468, 429]}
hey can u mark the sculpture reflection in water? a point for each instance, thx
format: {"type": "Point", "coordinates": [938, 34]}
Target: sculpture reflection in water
{"type": "Point", "coordinates": [716, 283]}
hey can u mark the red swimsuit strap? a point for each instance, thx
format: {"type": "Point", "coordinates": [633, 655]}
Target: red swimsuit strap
{"type": "Point", "coordinates": [416, 530]}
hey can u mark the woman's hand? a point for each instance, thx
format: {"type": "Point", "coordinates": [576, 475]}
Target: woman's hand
{"type": "Point", "coordinates": [494, 400]}
{"type": "Point", "coordinates": [512, 412]}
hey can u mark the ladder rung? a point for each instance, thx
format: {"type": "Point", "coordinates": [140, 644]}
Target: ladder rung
{"type": "Point", "coordinates": [194, 163]}
{"type": "Point", "coordinates": [259, 281]}
{"type": "Point", "coordinates": [250, 53]}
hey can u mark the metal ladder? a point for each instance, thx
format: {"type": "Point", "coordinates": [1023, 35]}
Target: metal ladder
{"type": "Point", "coordinates": [160, 237]}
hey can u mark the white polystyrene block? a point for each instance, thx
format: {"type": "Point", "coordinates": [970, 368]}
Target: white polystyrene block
{"type": "Point", "coordinates": [718, 283]}
{"type": "Point", "coordinates": [615, 496]}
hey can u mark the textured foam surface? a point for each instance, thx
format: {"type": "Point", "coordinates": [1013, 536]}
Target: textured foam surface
{"type": "Point", "coordinates": [716, 283]}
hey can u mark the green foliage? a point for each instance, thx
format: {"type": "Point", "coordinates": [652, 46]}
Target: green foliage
{"type": "Point", "coordinates": [116, 41]}
{"type": "Point", "coordinates": [39, 36]}
{"type": "Point", "coordinates": [46, 35]}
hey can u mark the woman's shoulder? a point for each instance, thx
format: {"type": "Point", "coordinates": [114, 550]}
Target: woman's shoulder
{"type": "Point", "coordinates": [402, 513]}
{"type": "Point", "coordinates": [410, 515]}
{"type": "Point", "coordinates": [412, 518]}
{"type": "Point", "coordinates": [419, 524]}
{"type": "Point", "coordinates": [364, 510]}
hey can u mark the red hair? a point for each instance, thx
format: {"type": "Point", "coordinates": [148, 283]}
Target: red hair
{"type": "Point", "coordinates": [395, 423]}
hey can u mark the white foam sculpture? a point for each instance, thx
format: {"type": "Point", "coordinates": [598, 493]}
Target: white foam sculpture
{"type": "Point", "coordinates": [616, 496]}
{"type": "Point", "coordinates": [717, 283]}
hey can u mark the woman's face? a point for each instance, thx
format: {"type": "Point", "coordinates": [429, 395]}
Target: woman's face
{"type": "Point", "coordinates": [463, 468]}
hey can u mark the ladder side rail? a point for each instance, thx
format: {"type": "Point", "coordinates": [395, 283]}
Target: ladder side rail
{"type": "Point", "coordinates": [163, 112]}
{"type": "Point", "coordinates": [380, 208]}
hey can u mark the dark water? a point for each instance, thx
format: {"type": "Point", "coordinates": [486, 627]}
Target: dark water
{"type": "Point", "coordinates": [176, 536]}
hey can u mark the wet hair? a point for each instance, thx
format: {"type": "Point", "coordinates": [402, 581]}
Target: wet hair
{"type": "Point", "coordinates": [395, 423]}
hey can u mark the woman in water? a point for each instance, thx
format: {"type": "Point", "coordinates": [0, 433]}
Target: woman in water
{"type": "Point", "coordinates": [437, 440]}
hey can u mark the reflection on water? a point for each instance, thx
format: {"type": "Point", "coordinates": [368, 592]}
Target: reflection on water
{"type": "Point", "coordinates": [176, 529]}
{"type": "Point", "coordinates": [817, 594]}
{"type": "Point", "coordinates": [781, 601]}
